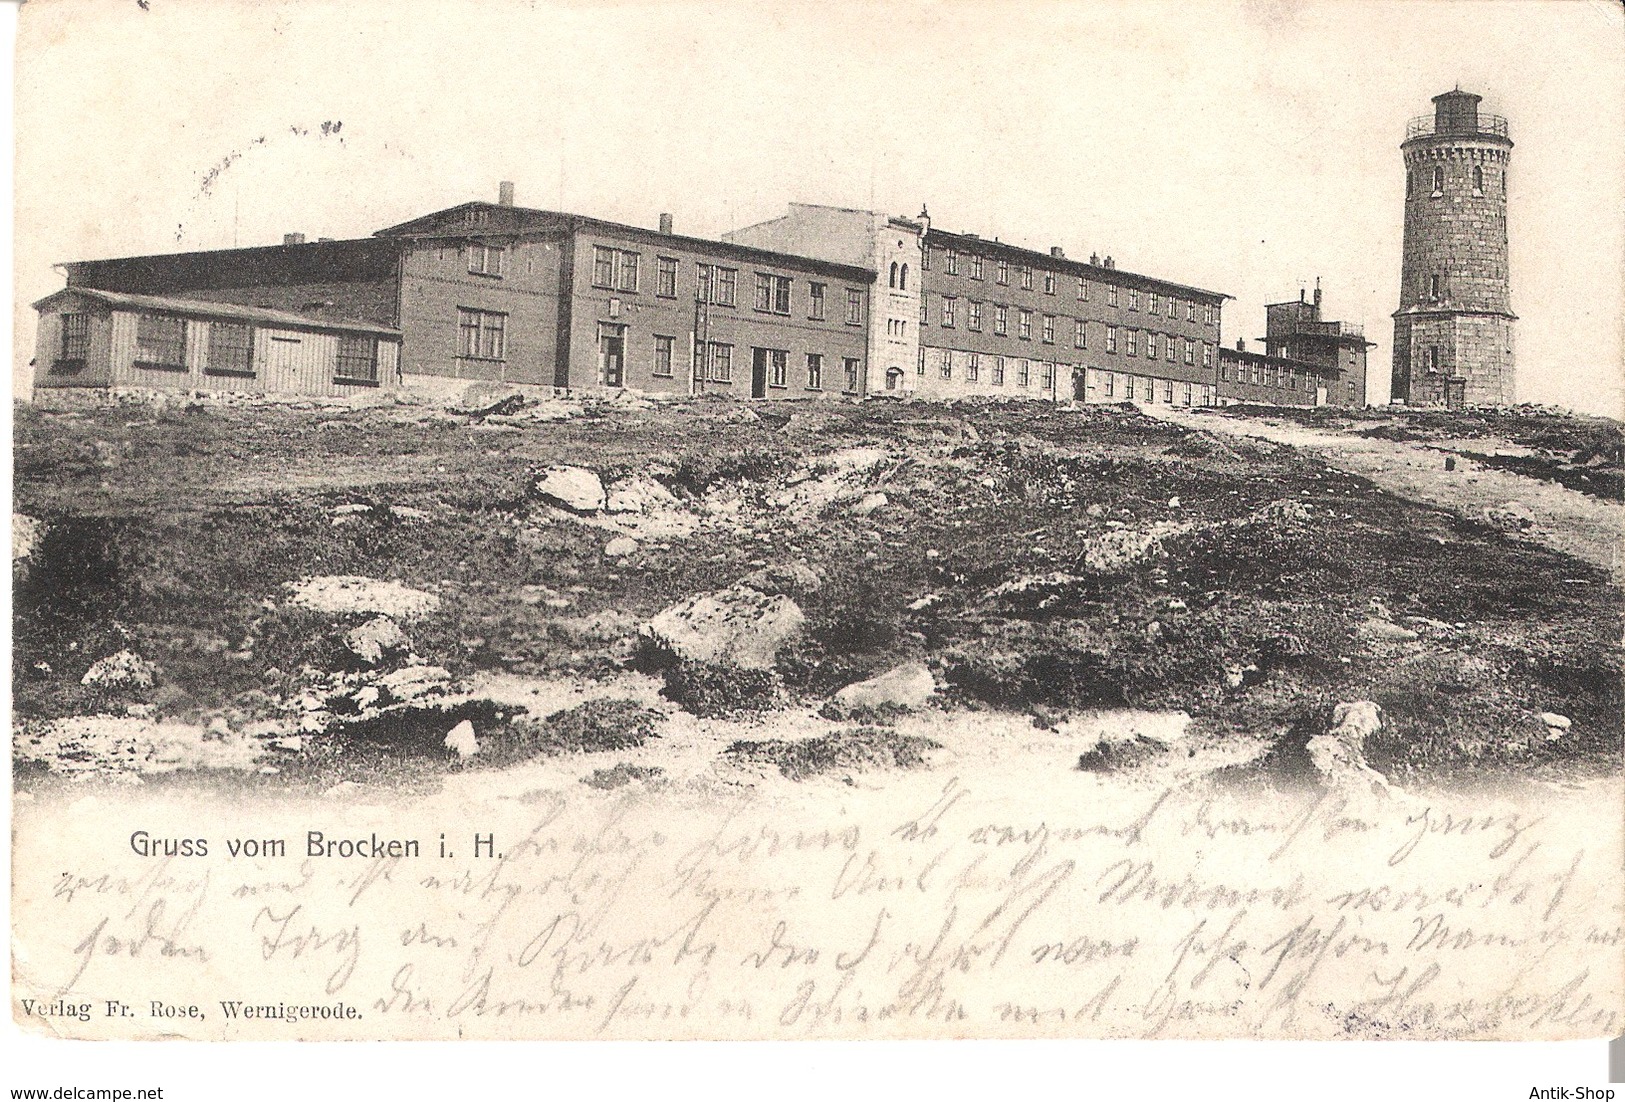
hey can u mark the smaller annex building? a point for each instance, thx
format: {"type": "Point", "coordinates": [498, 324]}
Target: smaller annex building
{"type": "Point", "coordinates": [92, 338]}
{"type": "Point", "coordinates": [1256, 378]}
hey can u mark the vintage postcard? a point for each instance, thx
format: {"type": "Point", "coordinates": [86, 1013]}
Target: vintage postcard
{"type": "Point", "coordinates": [846, 521]}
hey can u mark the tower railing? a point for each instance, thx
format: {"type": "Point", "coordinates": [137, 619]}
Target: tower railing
{"type": "Point", "coordinates": [1427, 126]}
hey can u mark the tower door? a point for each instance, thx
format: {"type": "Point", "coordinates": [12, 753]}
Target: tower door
{"type": "Point", "coordinates": [611, 354]}
{"type": "Point", "coordinates": [1455, 393]}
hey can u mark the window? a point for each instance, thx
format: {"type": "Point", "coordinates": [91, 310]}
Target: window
{"type": "Point", "coordinates": [973, 367]}
{"type": "Point", "coordinates": [1433, 286]}
{"type": "Point", "coordinates": [1049, 283]}
{"type": "Point", "coordinates": [891, 280]}
{"type": "Point", "coordinates": [481, 334]}
{"type": "Point", "coordinates": [1083, 289]}
{"type": "Point", "coordinates": [1173, 307]}
{"type": "Point", "coordinates": [666, 277]}
{"type": "Point", "coordinates": [716, 285]}
{"type": "Point", "coordinates": [1024, 373]}
{"type": "Point", "coordinates": [854, 306]}
{"type": "Point", "coordinates": [1168, 391]}
{"type": "Point", "coordinates": [947, 363]}
{"type": "Point", "coordinates": [1133, 298]}
{"type": "Point", "coordinates": [1128, 388]}
{"type": "Point", "coordinates": [1209, 314]}
{"type": "Point", "coordinates": [663, 350]}
{"type": "Point", "coordinates": [1049, 328]}
{"type": "Point", "coordinates": [1111, 339]}
{"type": "Point", "coordinates": [1004, 273]}
{"type": "Point", "coordinates": [1151, 302]}
{"type": "Point", "coordinates": [952, 266]}
{"type": "Point", "coordinates": [1026, 277]}
{"type": "Point", "coordinates": [1187, 389]}
{"type": "Point", "coordinates": [231, 349]}
{"type": "Point", "coordinates": [1024, 325]}
{"type": "Point", "coordinates": [1168, 342]}
{"type": "Point", "coordinates": [998, 370]}
{"type": "Point", "coordinates": [1432, 360]}
{"type": "Point", "coordinates": [357, 360]}
{"type": "Point", "coordinates": [1151, 346]}
{"type": "Point", "coordinates": [925, 309]}
{"type": "Point", "coordinates": [1190, 351]}
{"type": "Point", "coordinates": [1190, 311]}
{"type": "Point", "coordinates": [949, 306]}
{"type": "Point", "coordinates": [851, 374]}
{"type": "Point", "coordinates": [772, 293]}
{"type": "Point", "coordinates": [1001, 319]}
{"type": "Point", "coordinates": [1438, 181]}
{"type": "Point", "coordinates": [1478, 179]}
{"type": "Point", "coordinates": [75, 340]}
{"type": "Point", "coordinates": [1133, 342]}
{"type": "Point", "coordinates": [919, 369]}
{"type": "Point", "coordinates": [719, 362]}
{"type": "Point", "coordinates": [1049, 376]}
{"type": "Point", "coordinates": [973, 317]}
{"type": "Point", "coordinates": [896, 327]}
{"type": "Point", "coordinates": [1111, 384]}
{"type": "Point", "coordinates": [1080, 334]}
{"type": "Point", "coordinates": [815, 371]}
{"type": "Point", "coordinates": [485, 259]}
{"type": "Point", "coordinates": [1207, 355]}
{"type": "Point", "coordinates": [778, 367]}
{"type": "Point", "coordinates": [815, 301]}
{"type": "Point", "coordinates": [925, 258]}
{"type": "Point", "coordinates": [614, 269]}
{"type": "Point", "coordinates": [1410, 182]}
{"type": "Point", "coordinates": [976, 267]}
{"type": "Point", "coordinates": [902, 279]}
{"type": "Point", "coordinates": [160, 342]}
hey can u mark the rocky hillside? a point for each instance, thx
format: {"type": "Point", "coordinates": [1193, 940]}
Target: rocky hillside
{"type": "Point", "coordinates": [301, 595]}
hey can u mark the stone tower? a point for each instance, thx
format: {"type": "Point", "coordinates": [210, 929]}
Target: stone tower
{"type": "Point", "coordinates": [1453, 328]}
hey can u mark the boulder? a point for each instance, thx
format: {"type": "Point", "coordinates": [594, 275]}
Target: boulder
{"type": "Point", "coordinates": [638, 495]}
{"type": "Point", "coordinates": [460, 740]}
{"type": "Point", "coordinates": [573, 488]}
{"type": "Point", "coordinates": [124, 670]}
{"type": "Point", "coordinates": [1117, 550]}
{"type": "Point", "coordinates": [620, 547]}
{"type": "Point", "coordinates": [738, 626]}
{"type": "Point", "coordinates": [376, 639]}
{"type": "Point", "coordinates": [907, 686]}
{"type": "Point", "coordinates": [869, 503]}
{"type": "Point", "coordinates": [1384, 630]}
{"type": "Point", "coordinates": [414, 682]}
{"type": "Point", "coordinates": [25, 536]}
{"type": "Point", "coordinates": [792, 579]}
{"type": "Point", "coordinates": [485, 399]}
{"type": "Point", "coordinates": [1556, 725]}
{"type": "Point", "coordinates": [342, 594]}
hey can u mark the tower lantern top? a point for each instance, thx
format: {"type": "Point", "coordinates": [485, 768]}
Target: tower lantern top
{"type": "Point", "coordinates": [1455, 112]}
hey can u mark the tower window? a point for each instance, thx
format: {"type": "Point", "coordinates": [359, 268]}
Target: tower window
{"type": "Point", "coordinates": [1478, 179]}
{"type": "Point", "coordinates": [902, 278]}
{"type": "Point", "coordinates": [892, 282]}
{"type": "Point", "coordinates": [1433, 286]}
{"type": "Point", "coordinates": [1410, 182]}
{"type": "Point", "coordinates": [1438, 180]}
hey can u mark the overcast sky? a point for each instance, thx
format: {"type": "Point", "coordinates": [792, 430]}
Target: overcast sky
{"type": "Point", "coordinates": [1244, 147]}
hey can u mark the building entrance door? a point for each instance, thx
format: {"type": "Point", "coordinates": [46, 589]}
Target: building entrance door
{"type": "Point", "coordinates": [611, 354]}
{"type": "Point", "coordinates": [1080, 385]}
{"type": "Point", "coordinates": [1455, 393]}
{"type": "Point", "coordinates": [758, 373]}
{"type": "Point", "coordinates": [282, 373]}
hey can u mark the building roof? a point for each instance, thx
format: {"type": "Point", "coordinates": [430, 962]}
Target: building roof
{"type": "Point", "coordinates": [191, 307]}
{"type": "Point", "coordinates": [1096, 272]}
{"type": "Point", "coordinates": [515, 220]}
{"type": "Point", "coordinates": [266, 265]}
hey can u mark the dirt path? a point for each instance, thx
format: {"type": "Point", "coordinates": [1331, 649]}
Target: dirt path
{"type": "Point", "coordinates": [1566, 520]}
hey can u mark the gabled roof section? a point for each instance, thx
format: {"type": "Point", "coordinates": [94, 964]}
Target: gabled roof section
{"type": "Point", "coordinates": [365, 258]}
{"type": "Point", "coordinates": [1097, 273]}
{"type": "Point", "coordinates": [482, 219]}
{"type": "Point", "coordinates": [225, 311]}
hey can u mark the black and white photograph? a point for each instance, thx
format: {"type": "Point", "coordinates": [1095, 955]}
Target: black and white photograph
{"type": "Point", "coordinates": [888, 524]}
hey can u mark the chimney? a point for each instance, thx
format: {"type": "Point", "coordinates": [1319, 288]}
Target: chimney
{"type": "Point", "coordinates": [1094, 258]}
{"type": "Point", "coordinates": [1317, 294]}
{"type": "Point", "coordinates": [1109, 262]}
{"type": "Point", "coordinates": [1241, 344]}
{"type": "Point", "coordinates": [293, 239]}
{"type": "Point", "coordinates": [505, 193]}
{"type": "Point", "coordinates": [1057, 252]}
{"type": "Point", "coordinates": [665, 224]}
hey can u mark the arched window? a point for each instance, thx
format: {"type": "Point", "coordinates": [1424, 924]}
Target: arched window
{"type": "Point", "coordinates": [902, 279]}
{"type": "Point", "coordinates": [1438, 180]}
{"type": "Point", "coordinates": [1410, 182]}
{"type": "Point", "coordinates": [1478, 179]}
{"type": "Point", "coordinates": [893, 281]}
